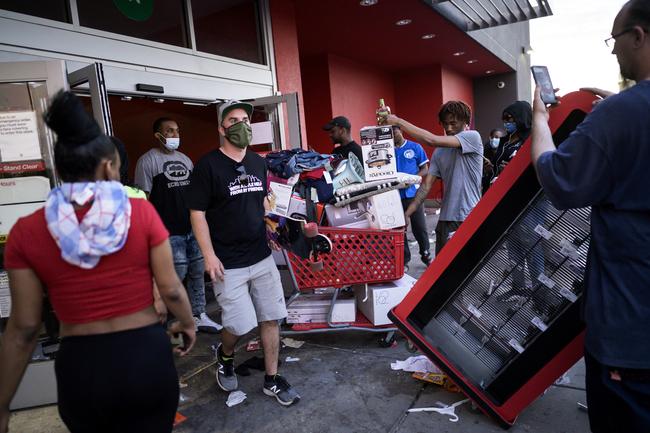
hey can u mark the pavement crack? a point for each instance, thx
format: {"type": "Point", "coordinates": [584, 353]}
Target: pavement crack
{"type": "Point", "coordinates": [398, 423]}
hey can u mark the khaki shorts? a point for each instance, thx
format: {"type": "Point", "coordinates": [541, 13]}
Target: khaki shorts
{"type": "Point", "coordinates": [250, 295]}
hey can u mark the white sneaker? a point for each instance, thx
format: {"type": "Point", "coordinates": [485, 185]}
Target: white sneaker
{"type": "Point", "coordinates": [207, 325]}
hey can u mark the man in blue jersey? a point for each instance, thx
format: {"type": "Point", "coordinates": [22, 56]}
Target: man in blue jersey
{"type": "Point", "coordinates": [412, 159]}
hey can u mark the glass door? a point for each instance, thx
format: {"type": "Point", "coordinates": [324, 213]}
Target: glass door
{"type": "Point", "coordinates": [26, 176]}
{"type": "Point", "coordinates": [269, 126]}
{"type": "Point", "coordinates": [89, 81]}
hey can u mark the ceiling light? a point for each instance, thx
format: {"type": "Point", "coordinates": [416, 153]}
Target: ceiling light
{"type": "Point", "coordinates": [428, 36]}
{"type": "Point", "coordinates": [459, 53]}
{"type": "Point", "coordinates": [472, 61]}
{"type": "Point", "coordinates": [198, 104]}
{"type": "Point", "coordinates": [489, 71]}
{"type": "Point", "coordinates": [126, 98]}
{"type": "Point", "coordinates": [403, 22]}
{"type": "Point", "coordinates": [158, 100]}
{"type": "Point", "coordinates": [368, 2]}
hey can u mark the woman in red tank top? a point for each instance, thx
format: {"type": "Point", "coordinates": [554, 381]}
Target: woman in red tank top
{"type": "Point", "coordinates": [95, 252]}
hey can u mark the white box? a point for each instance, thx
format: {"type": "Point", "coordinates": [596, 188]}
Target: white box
{"type": "Point", "coordinates": [382, 297]}
{"type": "Point", "coordinates": [385, 210]}
{"type": "Point", "coordinates": [314, 309]}
{"type": "Point", "coordinates": [361, 224]}
{"type": "Point", "coordinates": [378, 151]}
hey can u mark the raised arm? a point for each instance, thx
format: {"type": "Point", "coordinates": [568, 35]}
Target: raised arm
{"type": "Point", "coordinates": [422, 135]}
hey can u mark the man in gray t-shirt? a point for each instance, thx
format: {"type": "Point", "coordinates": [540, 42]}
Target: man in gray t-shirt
{"type": "Point", "coordinates": [164, 174]}
{"type": "Point", "coordinates": [458, 161]}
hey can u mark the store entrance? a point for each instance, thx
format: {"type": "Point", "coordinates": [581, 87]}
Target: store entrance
{"type": "Point", "coordinates": [132, 119]}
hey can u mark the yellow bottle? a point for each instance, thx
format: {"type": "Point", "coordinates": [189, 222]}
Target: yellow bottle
{"type": "Point", "coordinates": [382, 112]}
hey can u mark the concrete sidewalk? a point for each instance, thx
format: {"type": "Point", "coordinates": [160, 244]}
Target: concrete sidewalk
{"type": "Point", "coordinates": [346, 385]}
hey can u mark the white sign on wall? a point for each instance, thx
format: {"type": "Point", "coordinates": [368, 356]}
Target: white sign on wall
{"type": "Point", "coordinates": [19, 136]}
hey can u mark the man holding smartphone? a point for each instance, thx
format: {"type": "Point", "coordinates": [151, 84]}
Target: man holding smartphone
{"type": "Point", "coordinates": [604, 164]}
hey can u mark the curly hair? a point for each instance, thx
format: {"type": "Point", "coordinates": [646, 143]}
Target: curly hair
{"type": "Point", "coordinates": [458, 109]}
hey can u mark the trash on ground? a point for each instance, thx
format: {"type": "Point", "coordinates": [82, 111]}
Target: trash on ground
{"type": "Point", "coordinates": [440, 379]}
{"type": "Point", "coordinates": [564, 380]}
{"type": "Point", "coordinates": [290, 359]}
{"type": "Point", "coordinates": [182, 398]}
{"type": "Point", "coordinates": [436, 378]}
{"type": "Point", "coordinates": [582, 407]}
{"type": "Point", "coordinates": [253, 345]}
{"type": "Point", "coordinates": [179, 418]}
{"type": "Point", "coordinates": [290, 342]}
{"type": "Point", "coordinates": [442, 409]}
{"type": "Point", "coordinates": [416, 363]}
{"type": "Point", "coordinates": [235, 398]}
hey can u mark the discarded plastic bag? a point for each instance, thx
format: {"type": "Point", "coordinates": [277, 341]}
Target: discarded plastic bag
{"type": "Point", "coordinates": [235, 398]}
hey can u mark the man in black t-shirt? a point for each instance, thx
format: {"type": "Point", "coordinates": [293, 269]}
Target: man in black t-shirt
{"type": "Point", "coordinates": [227, 201]}
{"type": "Point", "coordinates": [339, 132]}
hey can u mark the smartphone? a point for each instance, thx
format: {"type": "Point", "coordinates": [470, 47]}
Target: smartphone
{"type": "Point", "coordinates": [543, 80]}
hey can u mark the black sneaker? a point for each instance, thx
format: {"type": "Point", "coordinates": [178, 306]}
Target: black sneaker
{"type": "Point", "coordinates": [226, 377]}
{"type": "Point", "coordinates": [426, 258]}
{"type": "Point", "coordinates": [279, 388]}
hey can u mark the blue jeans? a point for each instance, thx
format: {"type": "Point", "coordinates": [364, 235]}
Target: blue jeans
{"type": "Point", "coordinates": [190, 268]}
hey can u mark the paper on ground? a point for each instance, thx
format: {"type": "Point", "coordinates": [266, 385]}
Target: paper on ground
{"type": "Point", "coordinates": [290, 342]}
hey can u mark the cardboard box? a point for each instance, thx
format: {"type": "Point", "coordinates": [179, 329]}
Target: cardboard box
{"type": "Point", "coordinates": [385, 211]}
{"type": "Point", "coordinates": [314, 309]}
{"type": "Point", "coordinates": [286, 202]}
{"type": "Point", "coordinates": [361, 224]}
{"type": "Point", "coordinates": [378, 150]}
{"type": "Point", "coordinates": [382, 297]}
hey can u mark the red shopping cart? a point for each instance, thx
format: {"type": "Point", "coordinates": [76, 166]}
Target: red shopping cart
{"type": "Point", "coordinates": [359, 256]}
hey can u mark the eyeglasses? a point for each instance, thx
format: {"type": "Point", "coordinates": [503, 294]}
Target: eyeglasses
{"type": "Point", "coordinates": [612, 39]}
{"type": "Point", "coordinates": [243, 176]}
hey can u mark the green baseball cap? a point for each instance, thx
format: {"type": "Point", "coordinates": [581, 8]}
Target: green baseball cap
{"type": "Point", "coordinates": [228, 106]}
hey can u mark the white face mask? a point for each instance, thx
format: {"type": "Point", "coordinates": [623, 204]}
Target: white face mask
{"type": "Point", "coordinates": [494, 142]}
{"type": "Point", "coordinates": [172, 143]}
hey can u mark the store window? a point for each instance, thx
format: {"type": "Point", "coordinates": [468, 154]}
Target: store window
{"type": "Point", "coordinates": [159, 21]}
{"type": "Point", "coordinates": [229, 28]}
{"type": "Point", "coordinates": [52, 9]}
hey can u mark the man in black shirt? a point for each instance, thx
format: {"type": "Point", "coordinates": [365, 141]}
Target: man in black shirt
{"type": "Point", "coordinates": [339, 131]}
{"type": "Point", "coordinates": [227, 201]}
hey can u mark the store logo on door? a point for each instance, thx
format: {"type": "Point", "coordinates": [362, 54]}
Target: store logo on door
{"type": "Point", "coordinates": [176, 173]}
{"type": "Point", "coordinates": [136, 10]}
